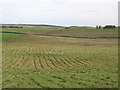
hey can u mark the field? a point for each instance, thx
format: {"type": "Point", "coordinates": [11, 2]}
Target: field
{"type": "Point", "coordinates": [7, 36]}
{"type": "Point", "coordinates": [38, 60]}
{"type": "Point", "coordinates": [72, 32]}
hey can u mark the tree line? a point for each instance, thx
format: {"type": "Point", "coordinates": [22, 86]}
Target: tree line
{"type": "Point", "coordinates": [10, 27]}
{"type": "Point", "coordinates": [106, 27]}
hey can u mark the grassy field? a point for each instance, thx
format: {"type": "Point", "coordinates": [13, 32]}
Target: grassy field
{"type": "Point", "coordinates": [8, 36]}
{"type": "Point", "coordinates": [74, 31]}
{"type": "Point", "coordinates": [35, 61]}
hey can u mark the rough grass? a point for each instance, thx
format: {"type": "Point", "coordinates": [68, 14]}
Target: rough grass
{"type": "Point", "coordinates": [34, 61]}
{"type": "Point", "coordinates": [75, 32]}
{"type": "Point", "coordinates": [8, 36]}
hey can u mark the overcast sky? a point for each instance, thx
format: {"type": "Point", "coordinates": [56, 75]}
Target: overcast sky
{"type": "Point", "coordinates": [59, 12]}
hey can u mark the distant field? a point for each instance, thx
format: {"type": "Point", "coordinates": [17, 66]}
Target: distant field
{"type": "Point", "coordinates": [8, 36]}
{"type": "Point", "coordinates": [0, 37]}
{"type": "Point", "coordinates": [35, 61]}
{"type": "Point", "coordinates": [75, 32]}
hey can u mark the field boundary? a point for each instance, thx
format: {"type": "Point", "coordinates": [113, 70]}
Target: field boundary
{"type": "Point", "coordinates": [66, 36]}
{"type": "Point", "coordinates": [12, 32]}
{"type": "Point", "coordinates": [79, 37]}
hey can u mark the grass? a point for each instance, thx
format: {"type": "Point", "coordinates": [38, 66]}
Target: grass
{"type": "Point", "coordinates": [8, 36]}
{"type": "Point", "coordinates": [35, 61]}
{"type": "Point", "coordinates": [32, 61]}
{"type": "Point", "coordinates": [75, 32]}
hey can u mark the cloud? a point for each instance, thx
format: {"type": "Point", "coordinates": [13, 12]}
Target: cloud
{"type": "Point", "coordinates": [61, 12]}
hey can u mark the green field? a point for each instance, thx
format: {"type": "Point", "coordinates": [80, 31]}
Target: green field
{"type": "Point", "coordinates": [35, 61]}
{"type": "Point", "coordinates": [75, 31]}
{"type": "Point", "coordinates": [8, 36]}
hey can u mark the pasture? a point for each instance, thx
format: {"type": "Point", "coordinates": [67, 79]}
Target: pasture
{"type": "Point", "coordinates": [8, 36]}
{"type": "Point", "coordinates": [39, 61]}
{"type": "Point", "coordinates": [73, 32]}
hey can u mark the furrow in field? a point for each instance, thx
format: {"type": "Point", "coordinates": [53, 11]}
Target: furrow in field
{"type": "Point", "coordinates": [13, 56]}
{"type": "Point", "coordinates": [63, 66]}
{"type": "Point", "coordinates": [48, 57]}
{"type": "Point", "coordinates": [6, 60]}
{"type": "Point", "coordinates": [40, 62]}
{"type": "Point", "coordinates": [62, 58]}
{"type": "Point", "coordinates": [55, 57]}
{"type": "Point", "coordinates": [52, 62]}
{"type": "Point", "coordinates": [61, 61]}
{"type": "Point", "coordinates": [6, 50]}
{"type": "Point", "coordinates": [18, 63]}
{"type": "Point", "coordinates": [79, 59]}
{"type": "Point", "coordinates": [34, 63]}
{"type": "Point", "coordinates": [57, 61]}
{"type": "Point", "coordinates": [22, 64]}
{"type": "Point", "coordinates": [26, 63]}
{"type": "Point", "coordinates": [46, 61]}
{"type": "Point", "coordinates": [11, 62]}
{"type": "Point", "coordinates": [27, 60]}
{"type": "Point", "coordinates": [71, 59]}
{"type": "Point", "coordinates": [32, 57]}
{"type": "Point", "coordinates": [44, 56]}
{"type": "Point", "coordinates": [38, 65]}
{"type": "Point", "coordinates": [68, 63]}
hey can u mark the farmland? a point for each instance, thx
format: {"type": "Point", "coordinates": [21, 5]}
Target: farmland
{"type": "Point", "coordinates": [39, 58]}
{"type": "Point", "coordinates": [7, 36]}
{"type": "Point", "coordinates": [73, 31]}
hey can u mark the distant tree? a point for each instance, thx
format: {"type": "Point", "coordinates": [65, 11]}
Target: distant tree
{"type": "Point", "coordinates": [10, 27]}
{"type": "Point", "coordinates": [110, 27]}
{"type": "Point", "coordinates": [67, 27]}
{"type": "Point", "coordinates": [14, 27]}
{"type": "Point", "coordinates": [97, 27]}
{"type": "Point", "coordinates": [4, 27]}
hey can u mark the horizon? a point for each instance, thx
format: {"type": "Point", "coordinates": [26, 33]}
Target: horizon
{"type": "Point", "coordinates": [56, 24]}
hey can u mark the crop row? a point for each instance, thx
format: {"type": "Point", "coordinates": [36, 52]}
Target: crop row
{"type": "Point", "coordinates": [59, 66]}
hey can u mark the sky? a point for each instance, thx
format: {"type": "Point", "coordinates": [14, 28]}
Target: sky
{"type": "Point", "coordinates": [59, 12]}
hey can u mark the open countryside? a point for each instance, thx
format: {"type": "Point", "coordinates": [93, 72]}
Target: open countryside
{"type": "Point", "coordinates": [59, 57]}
